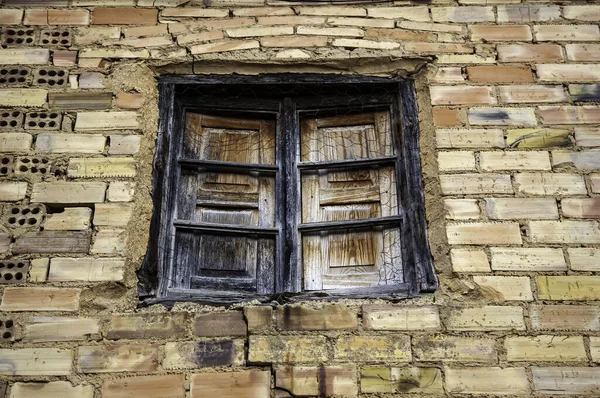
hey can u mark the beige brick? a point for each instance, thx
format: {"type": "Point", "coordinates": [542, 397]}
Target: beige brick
{"type": "Point", "coordinates": [224, 46]}
{"type": "Point", "coordinates": [505, 288]}
{"type": "Point", "coordinates": [584, 259]}
{"type": "Point", "coordinates": [40, 299]}
{"type": "Point", "coordinates": [261, 11]}
{"type": "Point", "coordinates": [329, 317]}
{"type": "Point", "coordinates": [56, 17]}
{"type": "Point", "coordinates": [521, 208]}
{"type": "Point", "coordinates": [545, 349]}
{"type": "Point", "coordinates": [584, 160]}
{"type": "Point", "coordinates": [118, 358]}
{"type": "Point", "coordinates": [294, 41]}
{"type": "Point", "coordinates": [581, 208]}
{"type": "Point", "coordinates": [149, 325]}
{"type": "Point", "coordinates": [260, 31]}
{"type": "Point", "coordinates": [291, 20]}
{"type": "Point", "coordinates": [595, 348]}
{"type": "Point", "coordinates": [469, 138]}
{"type": "Point", "coordinates": [463, 14]}
{"type": "Point", "coordinates": [565, 317]}
{"type": "Point", "coordinates": [485, 318]}
{"type": "Point", "coordinates": [110, 241]}
{"type": "Point", "coordinates": [469, 261]}
{"type": "Point", "coordinates": [70, 143]}
{"type": "Point", "coordinates": [129, 101]}
{"type": "Point", "coordinates": [446, 74]}
{"type": "Point", "coordinates": [163, 386]}
{"type": "Point", "coordinates": [566, 32]}
{"type": "Point", "coordinates": [462, 209]}
{"type": "Point", "coordinates": [12, 191]}
{"type": "Point", "coordinates": [11, 17]}
{"type": "Point", "coordinates": [231, 384]}
{"type": "Point", "coordinates": [458, 95]}
{"type": "Point", "coordinates": [112, 53]}
{"type": "Point", "coordinates": [15, 142]}
{"type": "Point", "coordinates": [145, 42]}
{"type": "Point", "coordinates": [360, 43]}
{"type": "Point", "coordinates": [389, 317]}
{"type": "Point", "coordinates": [582, 13]}
{"type": "Point", "coordinates": [549, 184]}
{"type": "Point", "coordinates": [587, 136]}
{"type": "Point", "coordinates": [500, 74]}
{"type": "Point", "coordinates": [502, 116]}
{"type": "Point", "coordinates": [445, 117]}
{"type": "Point", "coordinates": [124, 16]}
{"type": "Point", "coordinates": [456, 161]}
{"type": "Point", "coordinates": [287, 349]}
{"type": "Point", "coordinates": [461, 184]}
{"type": "Point", "coordinates": [361, 22]}
{"type": "Point", "coordinates": [258, 318]}
{"type": "Point", "coordinates": [529, 53]}
{"type": "Point", "coordinates": [563, 231]}
{"type": "Point", "coordinates": [70, 219]}
{"type": "Point", "coordinates": [330, 10]}
{"type": "Point", "coordinates": [401, 380]}
{"type": "Point", "coordinates": [482, 380]}
{"type": "Point", "coordinates": [528, 13]}
{"type": "Point", "coordinates": [526, 94]}
{"type": "Point", "coordinates": [101, 167]}
{"type": "Point", "coordinates": [68, 192]}
{"type": "Point", "coordinates": [23, 97]}
{"type": "Point", "coordinates": [494, 161]}
{"type": "Point", "coordinates": [567, 380]}
{"type": "Point", "coordinates": [595, 183]}
{"type": "Point", "coordinates": [373, 348]}
{"type": "Point", "coordinates": [500, 33]}
{"type": "Point", "coordinates": [87, 121]}
{"type": "Point", "coordinates": [430, 27]}
{"type": "Point", "coordinates": [39, 270]}
{"type": "Point", "coordinates": [36, 362]}
{"type": "Point", "coordinates": [483, 233]}
{"type": "Point", "coordinates": [146, 31]}
{"type": "Point", "coordinates": [219, 324]}
{"type": "Point", "coordinates": [191, 12]}
{"type": "Point", "coordinates": [568, 287]}
{"type": "Point", "coordinates": [568, 72]}
{"type": "Point", "coordinates": [418, 13]}
{"type": "Point", "coordinates": [343, 32]}
{"type": "Point", "coordinates": [113, 215]}
{"type": "Point", "coordinates": [436, 48]}
{"type": "Point", "coordinates": [96, 34]}
{"type": "Point", "coordinates": [120, 191]}
{"type": "Point", "coordinates": [538, 138]}
{"type": "Point", "coordinates": [203, 354]}
{"type": "Point", "coordinates": [454, 349]}
{"type": "Point", "coordinates": [527, 259]}
{"type": "Point", "coordinates": [583, 52]}
{"type": "Point", "coordinates": [324, 380]}
{"type": "Point", "coordinates": [34, 56]}
{"type": "Point", "coordinates": [42, 329]}
{"type": "Point", "coordinates": [86, 269]}
{"type": "Point", "coordinates": [63, 389]}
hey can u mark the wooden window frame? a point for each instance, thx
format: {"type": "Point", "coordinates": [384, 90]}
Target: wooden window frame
{"type": "Point", "coordinates": [419, 274]}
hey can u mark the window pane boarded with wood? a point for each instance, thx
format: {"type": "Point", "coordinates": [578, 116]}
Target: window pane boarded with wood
{"type": "Point", "coordinates": [349, 258]}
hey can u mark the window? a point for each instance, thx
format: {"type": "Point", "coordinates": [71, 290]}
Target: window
{"type": "Point", "coordinates": [287, 185]}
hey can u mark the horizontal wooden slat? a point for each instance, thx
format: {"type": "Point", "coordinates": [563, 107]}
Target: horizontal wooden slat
{"type": "Point", "coordinates": [347, 164]}
{"type": "Point", "coordinates": [226, 229]}
{"type": "Point", "coordinates": [215, 165]}
{"type": "Point", "coordinates": [350, 224]}
{"type": "Point", "coordinates": [238, 284]}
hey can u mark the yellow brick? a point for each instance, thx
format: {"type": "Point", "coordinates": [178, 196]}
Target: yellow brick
{"type": "Point", "coordinates": [328, 317]}
{"type": "Point", "coordinates": [505, 288]}
{"type": "Point", "coordinates": [110, 241]}
{"type": "Point", "coordinates": [521, 208]}
{"type": "Point", "coordinates": [23, 97]}
{"type": "Point", "coordinates": [563, 231]}
{"type": "Point", "coordinates": [40, 329]}
{"type": "Point", "coordinates": [314, 381]}
{"type": "Point", "coordinates": [68, 192]}
{"type": "Point", "coordinates": [15, 142]}
{"type": "Point", "coordinates": [36, 362]}
{"type": "Point", "coordinates": [373, 348]}
{"type": "Point", "coordinates": [469, 138]}
{"type": "Point", "coordinates": [12, 191]}
{"type": "Point", "coordinates": [71, 219]}
{"type": "Point", "coordinates": [113, 215]}
{"type": "Point", "coordinates": [86, 269]}
{"type": "Point", "coordinates": [480, 380]}
{"type": "Point", "coordinates": [462, 209]}
{"type": "Point", "coordinates": [494, 161]}
{"type": "Point", "coordinates": [583, 287]}
{"type": "Point", "coordinates": [585, 259]}
{"type": "Point", "coordinates": [163, 386]}
{"type": "Point", "coordinates": [486, 318]}
{"type": "Point", "coordinates": [16, 56]}
{"type": "Point", "coordinates": [469, 261]}
{"type": "Point", "coordinates": [483, 233]}
{"type": "Point", "coordinates": [527, 259]}
{"type": "Point", "coordinates": [565, 317]}
{"type": "Point", "coordinates": [389, 317]}
{"type": "Point", "coordinates": [456, 161]}
{"type": "Point", "coordinates": [584, 382]}
{"type": "Point", "coordinates": [118, 358]}
{"type": "Point", "coordinates": [87, 121]}
{"type": "Point", "coordinates": [231, 384]}
{"type": "Point", "coordinates": [287, 349]}
{"type": "Point", "coordinates": [52, 389]}
{"type": "Point", "coordinates": [102, 167]}
{"type": "Point", "coordinates": [463, 184]}
{"type": "Point", "coordinates": [401, 380]}
{"type": "Point", "coordinates": [595, 348]}
{"type": "Point", "coordinates": [545, 349]}
{"type": "Point", "coordinates": [40, 299]}
{"type": "Point", "coordinates": [454, 349]}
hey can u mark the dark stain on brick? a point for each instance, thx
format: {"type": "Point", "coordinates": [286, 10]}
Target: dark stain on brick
{"type": "Point", "coordinates": [585, 93]}
{"type": "Point", "coordinates": [215, 353]}
{"type": "Point", "coordinates": [493, 115]}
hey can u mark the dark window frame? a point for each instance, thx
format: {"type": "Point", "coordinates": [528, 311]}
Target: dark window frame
{"type": "Point", "coordinates": [417, 260]}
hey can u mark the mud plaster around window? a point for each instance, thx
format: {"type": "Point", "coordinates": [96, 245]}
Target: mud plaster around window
{"type": "Point", "coordinates": [142, 78]}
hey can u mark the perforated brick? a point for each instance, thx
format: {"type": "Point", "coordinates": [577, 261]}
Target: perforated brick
{"type": "Point", "coordinates": [50, 77]}
{"type": "Point", "coordinates": [43, 120]}
{"type": "Point", "coordinates": [24, 215]}
{"type": "Point", "coordinates": [17, 76]}
{"type": "Point", "coordinates": [7, 329]}
{"type": "Point", "coordinates": [15, 37]}
{"type": "Point", "coordinates": [6, 165]}
{"type": "Point", "coordinates": [11, 119]}
{"type": "Point", "coordinates": [13, 271]}
{"type": "Point", "coordinates": [32, 166]}
{"type": "Point", "coordinates": [55, 37]}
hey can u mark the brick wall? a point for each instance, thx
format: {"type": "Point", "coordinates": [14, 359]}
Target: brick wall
{"type": "Point", "coordinates": [512, 92]}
